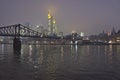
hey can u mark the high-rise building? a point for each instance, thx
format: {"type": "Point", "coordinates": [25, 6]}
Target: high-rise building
{"type": "Point", "coordinates": [52, 26]}
{"type": "Point", "coordinates": [39, 28]}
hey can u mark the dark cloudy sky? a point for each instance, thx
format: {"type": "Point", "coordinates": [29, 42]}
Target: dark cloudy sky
{"type": "Point", "coordinates": [89, 16]}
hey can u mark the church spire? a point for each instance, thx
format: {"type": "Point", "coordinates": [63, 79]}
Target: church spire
{"type": "Point", "coordinates": [113, 31]}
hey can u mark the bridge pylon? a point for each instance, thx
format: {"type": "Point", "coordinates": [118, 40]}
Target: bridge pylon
{"type": "Point", "coordinates": [17, 31]}
{"type": "Point", "coordinates": [17, 41]}
{"type": "Point", "coordinates": [17, 45]}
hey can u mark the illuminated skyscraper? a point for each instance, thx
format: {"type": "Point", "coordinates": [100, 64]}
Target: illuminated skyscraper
{"type": "Point", "coordinates": [49, 23]}
{"type": "Point", "coordinates": [55, 27]}
{"type": "Point", "coordinates": [52, 26]}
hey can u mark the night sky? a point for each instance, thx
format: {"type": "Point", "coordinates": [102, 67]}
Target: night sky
{"type": "Point", "coordinates": [88, 16]}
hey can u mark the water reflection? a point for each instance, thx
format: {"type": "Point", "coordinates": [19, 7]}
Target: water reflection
{"type": "Point", "coordinates": [56, 62]}
{"type": "Point", "coordinates": [2, 51]}
{"type": "Point", "coordinates": [2, 48]}
{"type": "Point", "coordinates": [35, 55]}
{"type": "Point", "coordinates": [62, 53]}
{"type": "Point", "coordinates": [74, 51]}
{"type": "Point", "coordinates": [51, 67]}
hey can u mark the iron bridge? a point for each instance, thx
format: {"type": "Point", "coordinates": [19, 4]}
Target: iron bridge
{"type": "Point", "coordinates": [18, 30]}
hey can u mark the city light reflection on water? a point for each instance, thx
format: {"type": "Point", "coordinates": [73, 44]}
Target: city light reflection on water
{"type": "Point", "coordinates": [60, 62]}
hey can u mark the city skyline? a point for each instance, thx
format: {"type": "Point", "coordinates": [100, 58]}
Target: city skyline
{"type": "Point", "coordinates": [88, 16]}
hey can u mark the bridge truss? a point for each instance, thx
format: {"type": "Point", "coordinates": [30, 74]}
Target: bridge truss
{"type": "Point", "coordinates": [18, 30]}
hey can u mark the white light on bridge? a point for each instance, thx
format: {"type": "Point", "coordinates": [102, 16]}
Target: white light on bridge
{"type": "Point", "coordinates": [73, 31]}
{"type": "Point", "coordinates": [37, 26]}
{"type": "Point", "coordinates": [1, 40]}
{"type": "Point", "coordinates": [41, 35]}
{"type": "Point", "coordinates": [110, 41]}
{"type": "Point", "coordinates": [76, 42]}
{"type": "Point", "coordinates": [82, 34]}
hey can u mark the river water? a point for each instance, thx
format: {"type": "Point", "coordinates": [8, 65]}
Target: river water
{"type": "Point", "coordinates": [60, 62]}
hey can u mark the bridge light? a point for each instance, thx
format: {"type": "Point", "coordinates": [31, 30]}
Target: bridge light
{"type": "Point", "coordinates": [82, 34]}
{"type": "Point", "coordinates": [73, 31]}
{"type": "Point", "coordinates": [110, 41]}
{"type": "Point", "coordinates": [76, 42]}
{"type": "Point", "coordinates": [37, 26]}
{"type": "Point", "coordinates": [41, 35]}
{"type": "Point", "coordinates": [1, 40]}
{"type": "Point", "coordinates": [71, 42]}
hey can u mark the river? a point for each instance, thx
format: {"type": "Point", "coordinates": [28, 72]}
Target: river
{"type": "Point", "coordinates": [60, 62]}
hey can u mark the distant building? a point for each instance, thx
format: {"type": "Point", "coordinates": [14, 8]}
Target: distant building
{"type": "Point", "coordinates": [113, 32]}
{"type": "Point", "coordinates": [113, 36]}
{"type": "Point", "coordinates": [45, 32]}
{"type": "Point", "coordinates": [116, 37]}
{"type": "Point", "coordinates": [39, 28]}
{"type": "Point", "coordinates": [60, 34]}
{"type": "Point", "coordinates": [82, 34]}
{"type": "Point", "coordinates": [102, 37]}
{"type": "Point", "coordinates": [52, 26]}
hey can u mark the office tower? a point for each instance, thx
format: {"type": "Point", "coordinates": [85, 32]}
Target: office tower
{"type": "Point", "coordinates": [52, 26]}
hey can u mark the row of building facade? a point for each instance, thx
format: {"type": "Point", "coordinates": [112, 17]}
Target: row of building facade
{"type": "Point", "coordinates": [108, 37]}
